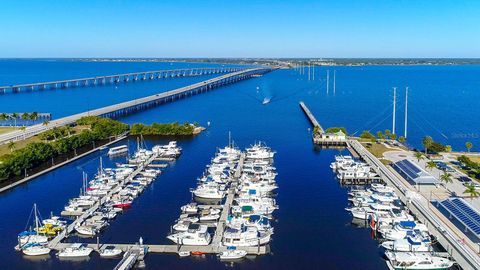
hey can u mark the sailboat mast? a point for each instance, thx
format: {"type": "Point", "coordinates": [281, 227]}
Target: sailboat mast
{"type": "Point", "coordinates": [406, 112]}
{"type": "Point", "coordinates": [394, 108]}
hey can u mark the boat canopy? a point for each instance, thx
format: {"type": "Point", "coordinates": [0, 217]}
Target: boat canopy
{"type": "Point", "coordinates": [408, 224]}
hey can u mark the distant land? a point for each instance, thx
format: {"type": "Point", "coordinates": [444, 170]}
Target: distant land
{"type": "Point", "coordinates": [287, 62]}
{"type": "Point", "coordinates": [290, 62]}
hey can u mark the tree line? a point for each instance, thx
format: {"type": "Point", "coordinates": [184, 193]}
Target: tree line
{"type": "Point", "coordinates": [36, 153]}
{"type": "Point", "coordinates": [166, 129]}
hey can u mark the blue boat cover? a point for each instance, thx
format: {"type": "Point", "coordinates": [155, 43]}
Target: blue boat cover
{"type": "Point", "coordinates": [408, 224]}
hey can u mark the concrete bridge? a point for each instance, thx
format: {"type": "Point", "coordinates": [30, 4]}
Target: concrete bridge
{"type": "Point", "coordinates": [118, 78]}
{"type": "Point", "coordinates": [128, 107]}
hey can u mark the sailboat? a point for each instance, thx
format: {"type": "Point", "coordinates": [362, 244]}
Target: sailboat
{"type": "Point", "coordinates": [30, 242]}
{"type": "Point", "coordinates": [266, 101]}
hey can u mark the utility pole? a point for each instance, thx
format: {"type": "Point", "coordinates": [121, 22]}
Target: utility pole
{"type": "Point", "coordinates": [394, 108]}
{"type": "Point", "coordinates": [328, 79]}
{"type": "Point", "coordinates": [406, 112]}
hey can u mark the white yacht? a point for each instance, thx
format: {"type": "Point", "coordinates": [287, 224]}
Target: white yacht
{"type": "Point", "coordinates": [196, 235]}
{"type": "Point", "coordinates": [190, 208]}
{"type": "Point", "coordinates": [208, 192]}
{"type": "Point", "coordinates": [262, 223]}
{"type": "Point", "coordinates": [420, 242]}
{"type": "Point", "coordinates": [245, 237]}
{"type": "Point", "coordinates": [416, 261]}
{"type": "Point", "coordinates": [401, 230]}
{"type": "Point", "coordinates": [75, 250]}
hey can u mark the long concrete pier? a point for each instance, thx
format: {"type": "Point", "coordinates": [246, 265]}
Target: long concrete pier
{"type": "Point", "coordinates": [116, 78]}
{"type": "Point", "coordinates": [448, 235]}
{"type": "Point", "coordinates": [311, 117]}
{"type": "Point", "coordinates": [125, 108]}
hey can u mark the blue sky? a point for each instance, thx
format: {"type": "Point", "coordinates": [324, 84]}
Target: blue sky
{"type": "Point", "coordinates": [329, 28]}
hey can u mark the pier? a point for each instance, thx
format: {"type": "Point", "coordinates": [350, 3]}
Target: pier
{"type": "Point", "coordinates": [81, 217]}
{"type": "Point", "coordinates": [115, 79]}
{"type": "Point", "coordinates": [320, 136]}
{"type": "Point", "coordinates": [464, 251]}
{"type": "Point", "coordinates": [128, 107]}
{"type": "Point", "coordinates": [214, 247]}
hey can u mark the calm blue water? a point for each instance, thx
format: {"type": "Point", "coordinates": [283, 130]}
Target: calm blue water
{"type": "Point", "coordinates": [312, 230]}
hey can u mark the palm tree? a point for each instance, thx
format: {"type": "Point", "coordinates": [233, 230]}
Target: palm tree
{"type": "Point", "coordinates": [25, 116]}
{"type": "Point", "coordinates": [427, 141]}
{"type": "Point", "coordinates": [23, 128]}
{"type": "Point", "coordinates": [469, 146]}
{"type": "Point", "coordinates": [431, 165]}
{"type": "Point", "coordinates": [46, 122]}
{"type": "Point", "coordinates": [418, 156]}
{"type": "Point", "coordinates": [3, 116]}
{"type": "Point", "coordinates": [11, 146]}
{"type": "Point", "coordinates": [33, 116]}
{"type": "Point", "coordinates": [14, 116]}
{"type": "Point", "coordinates": [471, 191]}
{"type": "Point", "coordinates": [380, 135]}
{"type": "Point", "coordinates": [446, 177]}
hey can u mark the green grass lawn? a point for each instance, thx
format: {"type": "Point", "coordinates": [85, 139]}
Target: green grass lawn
{"type": "Point", "coordinates": [6, 129]}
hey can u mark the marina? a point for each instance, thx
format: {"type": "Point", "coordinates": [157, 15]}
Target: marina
{"type": "Point", "coordinates": [312, 200]}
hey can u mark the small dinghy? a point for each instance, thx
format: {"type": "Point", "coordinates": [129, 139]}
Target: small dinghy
{"type": "Point", "coordinates": [184, 253]}
{"type": "Point", "coordinates": [232, 254]}
{"type": "Point", "coordinates": [110, 252]}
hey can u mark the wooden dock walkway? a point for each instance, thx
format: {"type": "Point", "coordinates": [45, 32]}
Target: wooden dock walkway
{"type": "Point", "coordinates": [81, 218]}
{"type": "Point", "coordinates": [311, 117]}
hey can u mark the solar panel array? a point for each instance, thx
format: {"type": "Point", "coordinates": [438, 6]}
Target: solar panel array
{"type": "Point", "coordinates": [464, 213]}
{"type": "Point", "coordinates": [408, 168]}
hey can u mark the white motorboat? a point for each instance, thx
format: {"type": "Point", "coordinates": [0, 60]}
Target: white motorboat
{"type": "Point", "coordinates": [35, 249]}
{"type": "Point", "coordinates": [190, 208]}
{"type": "Point", "coordinates": [416, 261]}
{"type": "Point", "coordinates": [86, 230]}
{"type": "Point", "coordinates": [209, 217]}
{"type": "Point", "coordinates": [184, 253]}
{"type": "Point", "coordinates": [110, 252]}
{"type": "Point", "coordinates": [196, 235]}
{"type": "Point", "coordinates": [420, 242]}
{"type": "Point", "coordinates": [208, 193]}
{"type": "Point", "coordinates": [75, 250]}
{"type": "Point", "coordinates": [262, 223]}
{"type": "Point", "coordinates": [181, 226]}
{"type": "Point", "coordinates": [245, 237]}
{"type": "Point", "coordinates": [401, 230]}
{"type": "Point", "coordinates": [118, 150]}
{"type": "Point", "coordinates": [232, 254]}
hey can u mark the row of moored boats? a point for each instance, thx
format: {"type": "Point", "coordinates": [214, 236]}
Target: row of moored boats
{"type": "Point", "coordinates": [247, 221]}
{"type": "Point", "coordinates": [109, 193]}
{"type": "Point", "coordinates": [407, 243]}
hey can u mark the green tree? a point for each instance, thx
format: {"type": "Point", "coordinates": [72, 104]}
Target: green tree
{"type": "Point", "coordinates": [446, 177]}
{"type": "Point", "coordinates": [393, 136]}
{"type": "Point", "coordinates": [431, 165]}
{"type": "Point", "coordinates": [11, 146]}
{"type": "Point", "coordinates": [471, 191]}
{"type": "Point", "coordinates": [380, 135]}
{"type": "Point", "coordinates": [402, 139]}
{"type": "Point", "coordinates": [367, 135]}
{"type": "Point", "coordinates": [448, 148]}
{"type": "Point", "coordinates": [427, 142]}
{"type": "Point", "coordinates": [46, 122]}
{"type": "Point", "coordinates": [388, 133]}
{"type": "Point", "coordinates": [25, 116]}
{"type": "Point", "coordinates": [316, 130]}
{"type": "Point", "coordinates": [3, 116]}
{"type": "Point", "coordinates": [418, 155]}
{"type": "Point", "coordinates": [14, 116]}
{"type": "Point", "coordinates": [469, 146]}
